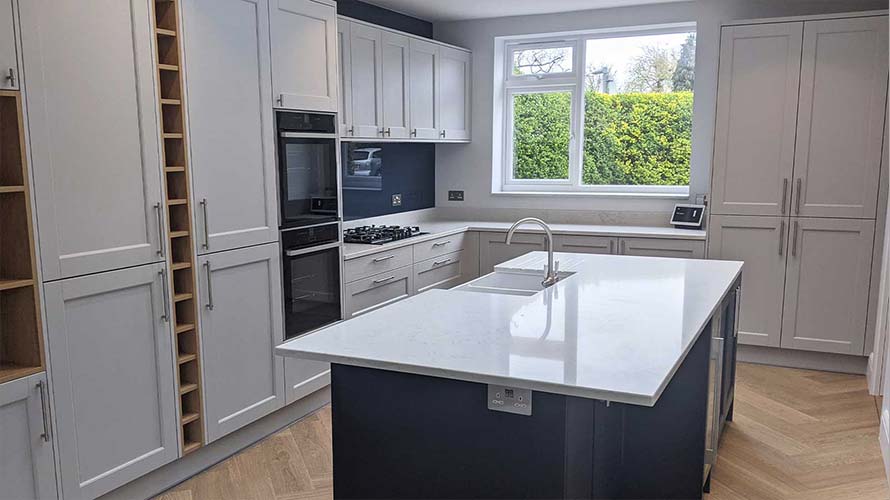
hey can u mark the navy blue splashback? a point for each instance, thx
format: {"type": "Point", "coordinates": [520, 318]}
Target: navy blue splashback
{"type": "Point", "coordinates": [373, 173]}
{"type": "Point", "coordinates": [385, 17]}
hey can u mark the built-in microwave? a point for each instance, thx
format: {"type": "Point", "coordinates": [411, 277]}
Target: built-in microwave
{"type": "Point", "coordinates": [308, 149]}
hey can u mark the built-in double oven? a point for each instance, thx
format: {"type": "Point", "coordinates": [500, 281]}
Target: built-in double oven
{"type": "Point", "coordinates": [308, 171]}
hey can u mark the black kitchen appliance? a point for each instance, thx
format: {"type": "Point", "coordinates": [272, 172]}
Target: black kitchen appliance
{"type": "Point", "coordinates": [311, 262]}
{"type": "Point", "coordinates": [378, 235]}
{"type": "Point", "coordinates": [307, 168]}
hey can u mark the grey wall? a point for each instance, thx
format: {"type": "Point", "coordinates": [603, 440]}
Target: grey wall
{"type": "Point", "coordinates": [469, 167]}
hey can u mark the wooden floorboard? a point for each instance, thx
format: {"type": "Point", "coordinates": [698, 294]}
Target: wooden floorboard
{"type": "Point", "coordinates": [797, 435]}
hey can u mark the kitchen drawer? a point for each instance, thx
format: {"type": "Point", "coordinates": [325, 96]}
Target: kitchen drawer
{"type": "Point", "coordinates": [443, 272]}
{"type": "Point", "coordinates": [441, 246]}
{"type": "Point", "coordinates": [585, 244]}
{"type": "Point", "coordinates": [660, 247]}
{"type": "Point", "coordinates": [379, 290]}
{"type": "Point", "coordinates": [370, 265]}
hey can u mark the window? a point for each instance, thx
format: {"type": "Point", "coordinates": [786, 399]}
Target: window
{"type": "Point", "coordinates": [623, 124]}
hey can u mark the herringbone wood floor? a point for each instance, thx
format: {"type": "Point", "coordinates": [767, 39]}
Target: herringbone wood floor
{"type": "Point", "coordinates": [797, 435]}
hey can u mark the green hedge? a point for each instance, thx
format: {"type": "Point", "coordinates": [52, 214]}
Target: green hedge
{"type": "Point", "coordinates": [629, 139]}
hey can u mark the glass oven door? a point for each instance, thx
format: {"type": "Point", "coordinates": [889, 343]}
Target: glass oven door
{"type": "Point", "coordinates": [308, 178]}
{"type": "Point", "coordinates": [311, 288]}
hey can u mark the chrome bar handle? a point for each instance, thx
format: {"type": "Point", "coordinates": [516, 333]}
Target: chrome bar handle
{"type": "Point", "coordinates": [206, 243]}
{"type": "Point", "coordinates": [381, 259]}
{"type": "Point", "coordinates": [163, 274]}
{"type": "Point", "coordinates": [42, 388]}
{"type": "Point", "coordinates": [441, 243]}
{"type": "Point", "coordinates": [799, 195]}
{"type": "Point", "coordinates": [442, 133]}
{"type": "Point", "coordinates": [784, 193]}
{"type": "Point", "coordinates": [10, 77]}
{"type": "Point", "coordinates": [160, 230]}
{"type": "Point", "coordinates": [209, 286]}
{"type": "Point", "coordinates": [388, 132]}
{"type": "Point", "coordinates": [782, 237]}
{"type": "Point", "coordinates": [351, 130]}
{"type": "Point", "coordinates": [794, 239]}
{"type": "Point", "coordinates": [383, 280]}
{"type": "Point", "coordinates": [441, 262]}
{"type": "Point", "coordinates": [414, 133]}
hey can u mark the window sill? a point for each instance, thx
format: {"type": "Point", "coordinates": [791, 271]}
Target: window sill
{"type": "Point", "coordinates": [594, 194]}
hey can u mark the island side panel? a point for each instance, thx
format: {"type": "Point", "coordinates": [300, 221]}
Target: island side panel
{"type": "Point", "coordinates": [398, 435]}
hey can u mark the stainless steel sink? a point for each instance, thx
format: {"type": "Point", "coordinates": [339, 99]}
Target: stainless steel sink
{"type": "Point", "coordinates": [510, 283]}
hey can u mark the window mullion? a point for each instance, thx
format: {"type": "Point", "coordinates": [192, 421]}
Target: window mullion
{"type": "Point", "coordinates": [576, 158]}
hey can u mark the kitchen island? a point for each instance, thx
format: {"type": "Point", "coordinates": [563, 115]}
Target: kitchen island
{"type": "Point", "coordinates": [612, 383]}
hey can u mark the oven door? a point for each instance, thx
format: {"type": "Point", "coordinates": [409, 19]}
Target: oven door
{"type": "Point", "coordinates": [311, 288]}
{"type": "Point", "coordinates": [307, 178]}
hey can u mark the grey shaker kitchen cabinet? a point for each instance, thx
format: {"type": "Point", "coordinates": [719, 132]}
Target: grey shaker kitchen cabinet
{"type": "Point", "coordinates": [662, 247]}
{"type": "Point", "coordinates": [9, 67]}
{"type": "Point", "coordinates": [762, 243]}
{"type": "Point", "coordinates": [344, 62]}
{"type": "Point", "coordinates": [756, 118]}
{"type": "Point", "coordinates": [241, 323]}
{"type": "Point", "coordinates": [27, 465]}
{"type": "Point", "coordinates": [365, 53]}
{"type": "Point", "coordinates": [304, 54]}
{"type": "Point", "coordinates": [840, 125]}
{"type": "Point", "coordinates": [423, 89]}
{"type": "Point", "coordinates": [827, 285]}
{"type": "Point", "coordinates": [395, 56]}
{"type": "Point", "coordinates": [303, 377]}
{"type": "Point", "coordinates": [111, 359]}
{"type": "Point", "coordinates": [493, 248]}
{"type": "Point", "coordinates": [376, 291]}
{"type": "Point", "coordinates": [453, 93]}
{"type": "Point", "coordinates": [97, 187]}
{"type": "Point", "coordinates": [234, 180]}
{"type": "Point", "coordinates": [585, 244]}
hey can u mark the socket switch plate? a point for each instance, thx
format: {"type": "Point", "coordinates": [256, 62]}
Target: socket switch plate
{"type": "Point", "coordinates": [397, 200]}
{"type": "Point", "coordinates": [510, 399]}
{"type": "Point", "coordinates": [455, 195]}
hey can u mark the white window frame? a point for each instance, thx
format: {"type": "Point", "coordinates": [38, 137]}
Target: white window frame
{"type": "Point", "coordinates": [508, 85]}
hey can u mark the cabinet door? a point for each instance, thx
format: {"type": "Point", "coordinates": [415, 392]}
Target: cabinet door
{"type": "Point", "coordinates": [454, 94]}
{"type": "Point", "coordinates": [444, 272]}
{"type": "Point", "coordinates": [843, 92]}
{"type": "Point", "coordinates": [395, 56]}
{"type": "Point", "coordinates": [27, 468]}
{"type": "Point", "coordinates": [241, 321]}
{"type": "Point", "coordinates": [113, 382]}
{"type": "Point", "coordinates": [234, 180]}
{"type": "Point", "coordinates": [493, 248]}
{"type": "Point", "coordinates": [659, 247]}
{"type": "Point", "coordinates": [9, 68]}
{"type": "Point", "coordinates": [94, 134]}
{"type": "Point", "coordinates": [826, 290]}
{"type": "Point", "coordinates": [303, 377]}
{"type": "Point", "coordinates": [761, 243]}
{"type": "Point", "coordinates": [585, 244]}
{"type": "Point", "coordinates": [757, 94]}
{"type": "Point", "coordinates": [304, 54]}
{"type": "Point", "coordinates": [345, 81]}
{"type": "Point", "coordinates": [379, 290]}
{"type": "Point", "coordinates": [422, 89]}
{"type": "Point", "coordinates": [365, 69]}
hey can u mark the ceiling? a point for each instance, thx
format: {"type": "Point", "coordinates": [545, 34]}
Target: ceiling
{"type": "Point", "coordinates": [454, 10]}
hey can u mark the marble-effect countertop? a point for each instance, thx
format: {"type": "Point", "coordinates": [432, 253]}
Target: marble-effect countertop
{"type": "Point", "coordinates": [616, 330]}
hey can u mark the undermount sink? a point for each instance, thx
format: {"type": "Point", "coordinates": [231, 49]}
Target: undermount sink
{"type": "Point", "coordinates": [510, 283]}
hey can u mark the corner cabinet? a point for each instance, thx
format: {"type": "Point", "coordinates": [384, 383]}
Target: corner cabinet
{"type": "Point", "coordinates": [241, 321]}
{"type": "Point", "coordinates": [400, 87]}
{"type": "Point", "coordinates": [94, 137]}
{"type": "Point", "coordinates": [27, 465]}
{"type": "Point", "coordinates": [234, 181]}
{"type": "Point", "coordinates": [113, 378]}
{"type": "Point", "coordinates": [304, 54]}
{"type": "Point", "coordinates": [9, 67]}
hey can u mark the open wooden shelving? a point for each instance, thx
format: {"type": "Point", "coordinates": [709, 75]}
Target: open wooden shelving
{"type": "Point", "coordinates": [21, 343]}
{"type": "Point", "coordinates": [180, 248]}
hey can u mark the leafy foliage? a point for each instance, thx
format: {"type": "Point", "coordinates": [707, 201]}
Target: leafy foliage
{"type": "Point", "coordinates": [629, 139]}
{"type": "Point", "coordinates": [684, 73]}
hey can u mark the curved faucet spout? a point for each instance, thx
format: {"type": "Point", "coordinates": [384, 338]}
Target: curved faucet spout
{"type": "Point", "coordinates": [551, 276]}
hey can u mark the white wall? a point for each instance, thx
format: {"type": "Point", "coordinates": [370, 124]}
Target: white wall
{"type": "Point", "coordinates": [468, 167]}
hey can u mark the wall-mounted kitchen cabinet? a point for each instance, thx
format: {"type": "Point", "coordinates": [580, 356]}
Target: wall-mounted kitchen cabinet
{"type": "Point", "coordinates": [113, 378]}
{"type": "Point", "coordinates": [97, 187]}
{"type": "Point", "coordinates": [234, 180]}
{"type": "Point", "coordinates": [304, 54]}
{"type": "Point", "coordinates": [27, 466]}
{"type": "Point", "coordinates": [241, 321]}
{"type": "Point", "coordinates": [9, 67]}
{"type": "Point", "coordinates": [400, 87]}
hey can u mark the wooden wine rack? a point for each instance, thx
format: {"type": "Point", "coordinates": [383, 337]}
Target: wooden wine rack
{"type": "Point", "coordinates": [21, 342]}
{"type": "Point", "coordinates": [180, 249]}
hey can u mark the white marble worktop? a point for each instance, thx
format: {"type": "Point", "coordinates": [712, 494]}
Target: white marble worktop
{"type": "Point", "coordinates": [616, 330]}
{"type": "Point", "coordinates": [438, 228]}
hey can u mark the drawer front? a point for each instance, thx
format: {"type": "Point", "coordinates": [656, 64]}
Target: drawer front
{"type": "Point", "coordinates": [379, 290]}
{"type": "Point", "coordinates": [585, 244]}
{"type": "Point", "coordinates": [370, 265]}
{"type": "Point", "coordinates": [443, 272]}
{"type": "Point", "coordinates": [658, 247]}
{"type": "Point", "coordinates": [440, 246]}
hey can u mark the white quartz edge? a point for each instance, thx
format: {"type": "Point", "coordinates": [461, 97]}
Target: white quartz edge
{"type": "Point", "coordinates": [444, 228]}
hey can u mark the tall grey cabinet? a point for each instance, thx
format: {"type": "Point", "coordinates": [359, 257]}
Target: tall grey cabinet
{"type": "Point", "coordinates": [797, 168]}
{"type": "Point", "coordinates": [9, 67]}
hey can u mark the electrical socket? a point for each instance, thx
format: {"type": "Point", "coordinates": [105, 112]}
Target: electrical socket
{"type": "Point", "coordinates": [456, 195]}
{"type": "Point", "coordinates": [397, 200]}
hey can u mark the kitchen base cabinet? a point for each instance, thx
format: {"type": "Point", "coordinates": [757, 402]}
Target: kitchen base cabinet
{"type": "Point", "coordinates": [27, 466]}
{"type": "Point", "coordinates": [659, 247]}
{"type": "Point", "coordinates": [111, 357]}
{"type": "Point", "coordinates": [493, 248]}
{"type": "Point", "coordinates": [374, 292]}
{"type": "Point", "coordinates": [303, 377]}
{"type": "Point", "coordinates": [827, 285]}
{"type": "Point", "coordinates": [241, 321]}
{"type": "Point", "coordinates": [585, 244]}
{"type": "Point", "coordinates": [443, 272]}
